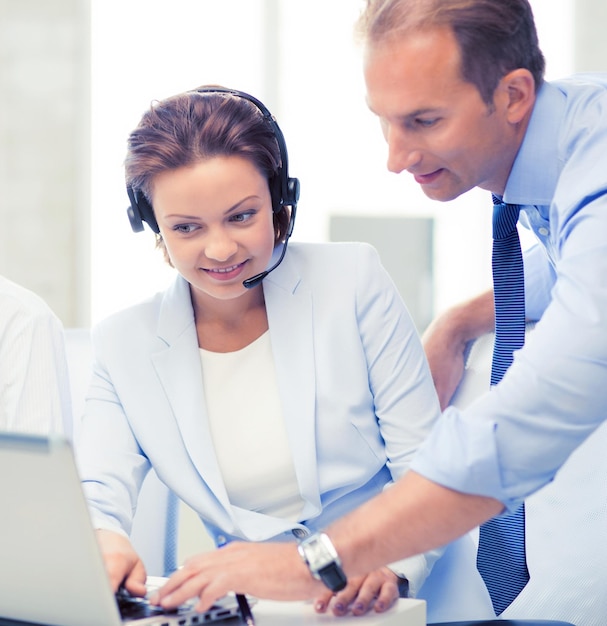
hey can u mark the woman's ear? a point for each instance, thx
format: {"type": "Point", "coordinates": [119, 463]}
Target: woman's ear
{"type": "Point", "coordinates": [517, 89]}
{"type": "Point", "coordinates": [160, 245]}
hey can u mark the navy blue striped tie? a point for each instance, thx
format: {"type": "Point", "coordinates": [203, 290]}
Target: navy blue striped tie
{"type": "Point", "coordinates": [170, 534]}
{"type": "Point", "coordinates": [501, 552]}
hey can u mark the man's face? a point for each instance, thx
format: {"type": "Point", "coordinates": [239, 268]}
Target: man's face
{"type": "Point", "coordinates": [437, 126]}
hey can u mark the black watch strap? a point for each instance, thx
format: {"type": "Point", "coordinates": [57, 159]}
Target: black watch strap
{"type": "Point", "coordinates": [333, 577]}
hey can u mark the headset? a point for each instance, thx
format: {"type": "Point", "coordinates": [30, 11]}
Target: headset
{"type": "Point", "coordinates": [284, 190]}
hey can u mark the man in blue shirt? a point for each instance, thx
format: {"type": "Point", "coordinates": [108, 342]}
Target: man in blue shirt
{"type": "Point", "coordinates": [458, 88]}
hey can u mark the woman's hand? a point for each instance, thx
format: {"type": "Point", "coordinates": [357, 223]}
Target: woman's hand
{"type": "Point", "coordinates": [123, 565]}
{"type": "Point", "coordinates": [378, 590]}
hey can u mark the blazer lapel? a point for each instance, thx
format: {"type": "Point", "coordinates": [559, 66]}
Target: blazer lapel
{"type": "Point", "coordinates": [180, 373]}
{"type": "Point", "coordinates": [177, 363]}
{"type": "Point", "coordinates": [289, 309]}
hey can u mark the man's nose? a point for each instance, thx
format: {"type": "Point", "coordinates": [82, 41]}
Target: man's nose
{"type": "Point", "coordinates": [403, 153]}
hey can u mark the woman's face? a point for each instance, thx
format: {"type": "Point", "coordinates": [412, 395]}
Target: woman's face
{"type": "Point", "coordinates": [215, 219]}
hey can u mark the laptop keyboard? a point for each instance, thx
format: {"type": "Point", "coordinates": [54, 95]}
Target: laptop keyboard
{"type": "Point", "coordinates": [131, 607]}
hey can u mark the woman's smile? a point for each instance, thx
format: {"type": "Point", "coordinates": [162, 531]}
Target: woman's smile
{"type": "Point", "coordinates": [225, 273]}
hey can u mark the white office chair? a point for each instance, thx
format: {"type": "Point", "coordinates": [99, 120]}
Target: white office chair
{"type": "Point", "coordinates": [559, 580]}
{"type": "Point", "coordinates": [154, 533]}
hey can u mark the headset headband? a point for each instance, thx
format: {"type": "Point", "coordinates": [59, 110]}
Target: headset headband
{"type": "Point", "coordinates": [287, 193]}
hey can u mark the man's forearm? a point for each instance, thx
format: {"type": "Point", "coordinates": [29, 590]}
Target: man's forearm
{"type": "Point", "coordinates": [413, 516]}
{"type": "Point", "coordinates": [464, 322]}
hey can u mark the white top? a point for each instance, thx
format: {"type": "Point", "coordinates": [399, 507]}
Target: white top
{"type": "Point", "coordinates": [248, 429]}
{"type": "Point", "coordinates": [34, 384]}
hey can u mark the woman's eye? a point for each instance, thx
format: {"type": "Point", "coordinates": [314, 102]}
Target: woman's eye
{"type": "Point", "coordinates": [184, 228]}
{"type": "Point", "coordinates": [242, 217]}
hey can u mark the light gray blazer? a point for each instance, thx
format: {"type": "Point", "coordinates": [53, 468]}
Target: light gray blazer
{"type": "Point", "coordinates": [355, 388]}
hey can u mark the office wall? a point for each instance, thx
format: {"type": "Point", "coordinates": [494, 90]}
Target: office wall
{"type": "Point", "coordinates": [44, 155]}
{"type": "Point", "coordinates": [44, 140]}
{"type": "Point", "coordinates": [590, 42]}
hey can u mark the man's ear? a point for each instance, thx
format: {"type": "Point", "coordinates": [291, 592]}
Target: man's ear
{"type": "Point", "coordinates": [517, 91]}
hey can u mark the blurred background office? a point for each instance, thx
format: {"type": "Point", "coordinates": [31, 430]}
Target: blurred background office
{"type": "Point", "coordinates": [76, 75]}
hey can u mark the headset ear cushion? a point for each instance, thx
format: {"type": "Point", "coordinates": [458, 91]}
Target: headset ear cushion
{"type": "Point", "coordinates": [133, 212]}
{"type": "Point", "coordinates": [134, 218]}
{"type": "Point", "coordinates": [140, 211]}
{"type": "Point", "coordinates": [293, 189]}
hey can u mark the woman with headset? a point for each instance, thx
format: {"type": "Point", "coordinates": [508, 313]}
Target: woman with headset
{"type": "Point", "coordinates": [272, 390]}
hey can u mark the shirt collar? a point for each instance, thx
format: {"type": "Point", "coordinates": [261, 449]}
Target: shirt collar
{"type": "Point", "coordinates": [534, 174]}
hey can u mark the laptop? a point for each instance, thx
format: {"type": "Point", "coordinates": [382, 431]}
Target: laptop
{"type": "Point", "coordinates": [51, 568]}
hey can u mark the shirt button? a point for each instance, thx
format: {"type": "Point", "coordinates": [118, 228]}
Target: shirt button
{"type": "Point", "coordinates": [543, 231]}
{"type": "Point", "coordinates": [300, 533]}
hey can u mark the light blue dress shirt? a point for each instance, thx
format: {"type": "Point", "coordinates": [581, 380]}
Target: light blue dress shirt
{"type": "Point", "coordinates": [512, 440]}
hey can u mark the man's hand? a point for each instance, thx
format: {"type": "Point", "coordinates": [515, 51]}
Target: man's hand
{"type": "Point", "coordinates": [263, 570]}
{"type": "Point", "coordinates": [446, 360]}
{"type": "Point", "coordinates": [446, 338]}
{"type": "Point", "coordinates": [123, 565]}
{"type": "Point", "coordinates": [377, 590]}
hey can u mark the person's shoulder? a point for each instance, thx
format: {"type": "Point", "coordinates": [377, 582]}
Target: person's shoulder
{"type": "Point", "coordinates": [584, 85]}
{"type": "Point", "coordinates": [343, 264]}
{"type": "Point", "coordinates": [139, 312]}
{"type": "Point", "coordinates": [583, 78]}
{"type": "Point", "coordinates": [338, 250]}
{"type": "Point", "coordinates": [121, 336]}
{"type": "Point", "coordinates": [133, 332]}
{"type": "Point", "coordinates": [143, 317]}
{"type": "Point", "coordinates": [18, 300]}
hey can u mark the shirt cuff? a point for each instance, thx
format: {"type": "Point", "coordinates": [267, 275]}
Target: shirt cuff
{"type": "Point", "coordinates": [461, 454]}
{"type": "Point", "coordinates": [416, 569]}
{"type": "Point", "coordinates": [101, 523]}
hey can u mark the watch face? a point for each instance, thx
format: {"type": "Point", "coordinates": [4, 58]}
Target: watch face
{"type": "Point", "coordinates": [318, 554]}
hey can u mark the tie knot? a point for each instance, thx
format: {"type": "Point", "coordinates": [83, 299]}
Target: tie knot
{"type": "Point", "coordinates": [505, 217]}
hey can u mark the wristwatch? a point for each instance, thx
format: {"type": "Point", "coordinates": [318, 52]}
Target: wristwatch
{"type": "Point", "coordinates": [319, 554]}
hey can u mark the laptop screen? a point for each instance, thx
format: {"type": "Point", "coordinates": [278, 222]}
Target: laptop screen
{"type": "Point", "coordinates": [51, 569]}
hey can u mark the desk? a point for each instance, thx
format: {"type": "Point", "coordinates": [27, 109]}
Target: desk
{"type": "Point", "coordinates": [270, 613]}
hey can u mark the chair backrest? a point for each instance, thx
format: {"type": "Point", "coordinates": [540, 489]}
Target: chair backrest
{"type": "Point", "coordinates": [477, 374]}
{"type": "Point", "coordinates": [154, 533]}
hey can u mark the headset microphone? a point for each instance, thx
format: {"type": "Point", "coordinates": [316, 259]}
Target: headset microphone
{"type": "Point", "coordinates": [249, 283]}
{"type": "Point", "coordinates": [283, 189]}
